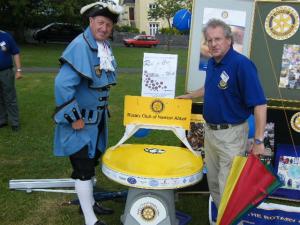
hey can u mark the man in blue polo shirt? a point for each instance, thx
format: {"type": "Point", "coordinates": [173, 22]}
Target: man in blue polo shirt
{"type": "Point", "coordinates": [232, 92]}
{"type": "Point", "coordinates": [8, 97]}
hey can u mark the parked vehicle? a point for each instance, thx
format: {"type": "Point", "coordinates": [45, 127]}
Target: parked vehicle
{"type": "Point", "coordinates": [141, 41]}
{"type": "Point", "coordinates": [57, 32]}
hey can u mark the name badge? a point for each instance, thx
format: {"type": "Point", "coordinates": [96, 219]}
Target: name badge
{"type": "Point", "coordinates": [224, 76]}
{"type": "Point", "coordinates": [3, 46]}
{"type": "Point", "coordinates": [223, 82]}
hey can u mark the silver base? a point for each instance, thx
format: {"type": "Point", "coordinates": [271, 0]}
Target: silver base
{"type": "Point", "coordinates": [151, 207]}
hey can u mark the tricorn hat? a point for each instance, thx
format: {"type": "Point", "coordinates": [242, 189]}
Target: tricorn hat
{"type": "Point", "coordinates": [106, 8]}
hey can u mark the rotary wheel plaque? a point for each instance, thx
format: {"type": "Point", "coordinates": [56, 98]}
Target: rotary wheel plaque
{"type": "Point", "coordinates": [148, 213]}
{"type": "Point", "coordinates": [148, 210]}
{"type": "Point", "coordinates": [282, 22]}
{"type": "Point", "coordinates": [295, 122]}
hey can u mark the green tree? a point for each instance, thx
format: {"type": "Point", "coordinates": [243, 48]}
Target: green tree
{"type": "Point", "coordinates": [12, 16]}
{"type": "Point", "coordinates": [19, 15]}
{"type": "Point", "coordinates": [166, 9]}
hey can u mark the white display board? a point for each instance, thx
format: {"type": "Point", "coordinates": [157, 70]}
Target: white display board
{"type": "Point", "coordinates": [237, 13]}
{"type": "Point", "coordinates": [159, 75]}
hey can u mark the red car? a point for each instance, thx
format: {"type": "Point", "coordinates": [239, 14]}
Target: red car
{"type": "Point", "coordinates": [141, 41]}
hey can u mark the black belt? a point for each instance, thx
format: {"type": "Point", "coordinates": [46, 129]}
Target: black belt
{"type": "Point", "coordinates": [6, 68]}
{"type": "Point", "coordinates": [220, 126]}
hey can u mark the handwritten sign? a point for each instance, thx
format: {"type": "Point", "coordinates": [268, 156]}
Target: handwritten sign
{"type": "Point", "coordinates": [159, 75]}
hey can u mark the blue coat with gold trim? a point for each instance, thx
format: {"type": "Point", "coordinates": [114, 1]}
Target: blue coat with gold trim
{"type": "Point", "coordinates": [81, 91]}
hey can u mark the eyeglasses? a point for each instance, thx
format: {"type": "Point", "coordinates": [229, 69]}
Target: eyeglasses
{"type": "Point", "coordinates": [212, 41]}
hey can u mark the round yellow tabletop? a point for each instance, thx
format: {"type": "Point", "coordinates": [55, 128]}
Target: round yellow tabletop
{"type": "Point", "coordinates": [152, 166]}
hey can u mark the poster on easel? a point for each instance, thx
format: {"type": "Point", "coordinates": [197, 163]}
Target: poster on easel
{"type": "Point", "coordinates": [159, 75]}
{"type": "Point", "coordinates": [237, 13]}
{"type": "Point", "coordinates": [237, 21]}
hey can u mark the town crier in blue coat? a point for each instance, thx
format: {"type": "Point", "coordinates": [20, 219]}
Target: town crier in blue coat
{"type": "Point", "coordinates": [88, 71]}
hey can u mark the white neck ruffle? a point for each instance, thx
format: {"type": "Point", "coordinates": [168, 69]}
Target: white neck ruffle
{"type": "Point", "coordinates": [105, 56]}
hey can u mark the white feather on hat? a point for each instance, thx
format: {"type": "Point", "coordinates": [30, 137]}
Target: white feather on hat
{"type": "Point", "coordinates": [112, 6]}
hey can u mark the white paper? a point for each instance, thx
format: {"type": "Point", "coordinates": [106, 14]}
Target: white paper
{"type": "Point", "coordinates": [159, 75]}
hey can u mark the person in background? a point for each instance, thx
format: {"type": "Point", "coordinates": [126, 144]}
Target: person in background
{"type": "Point", "coordinates": [232, 92]}
{"type": "Point", "coordinates": [82, 88]}
{"type": "Point", "coordinates": [9, 52]}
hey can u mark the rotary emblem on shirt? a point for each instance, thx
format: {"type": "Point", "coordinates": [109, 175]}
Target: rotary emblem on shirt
{"type": "Point", "coordinates": [224, 79]}
{"type": "Point", "coordinates": [295, 122]}
{"type": "Point", "coordinates": [282, 22]}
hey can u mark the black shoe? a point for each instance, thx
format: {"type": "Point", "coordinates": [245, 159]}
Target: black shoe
{"type": "Point", "coordinates": [3, 125]}
{"type": "Point", "coordinates": [15, 128]}
{"type": "Point", "coordinates": [99, 222]}
{"type": "Point", "coordinates": [99, 209]}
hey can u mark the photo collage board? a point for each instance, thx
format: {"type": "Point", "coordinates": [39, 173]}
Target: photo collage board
{"type": "Point", "coordinates": [275, 48]}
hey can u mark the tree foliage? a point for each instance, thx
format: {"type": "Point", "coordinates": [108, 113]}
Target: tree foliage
{"type": "Point", "coordinates": [166, 9]}
{"type": "Point", "coordinates": [126, 29]}
{"type": "Point", "coordinates": [18, 15]}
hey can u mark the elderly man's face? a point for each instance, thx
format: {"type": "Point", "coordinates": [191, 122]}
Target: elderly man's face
{"type": "Point", "coordinates": [217, 43]}
{"type": "Point", "coordinates": [101, 27]}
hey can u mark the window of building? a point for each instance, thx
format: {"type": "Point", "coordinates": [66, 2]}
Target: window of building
{"type": "Point", "coordinates": [153, 28]}
{"type": "Point", "coordinates": [152, 6]}
{"type": "Point", "coordinates": [131, 13]}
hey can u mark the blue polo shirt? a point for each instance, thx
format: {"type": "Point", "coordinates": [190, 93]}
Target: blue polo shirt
{"type": "Point", "coordinates": [232, 89]}
{"type": "Point", "coordinates": [8, 47]}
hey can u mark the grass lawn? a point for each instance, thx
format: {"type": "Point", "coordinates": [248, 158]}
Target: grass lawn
{"type": "Point", "coordinates": [28, 155]}
{"type": "Point", "coordinates": [46, 55]}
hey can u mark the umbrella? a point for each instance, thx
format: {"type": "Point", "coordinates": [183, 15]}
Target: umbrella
{"type": "Point", "coordinates": [248, 183]}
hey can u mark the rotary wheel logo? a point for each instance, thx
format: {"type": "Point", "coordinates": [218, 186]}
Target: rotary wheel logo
{"type": "Point", "coordinates": [224, 14]}
{"type": "Point", "coordinates": [282, 22]}
{"type": "Point", "coordinates": [295, 122]}
{"type": "Point", "coordinates": [157, 106]}
{"type": "Point", "coordinates": [148, 213]}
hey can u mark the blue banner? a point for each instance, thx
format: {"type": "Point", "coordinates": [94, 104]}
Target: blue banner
{"type": "Point", "coordinates": [272, 217]}
{"type": "Point", "coordinates": [264, 214]}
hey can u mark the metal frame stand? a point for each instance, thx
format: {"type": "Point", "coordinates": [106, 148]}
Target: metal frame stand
{"type": "Point", "coordinates": [44, 185]}
{"type": "Point", "coordinates": [51, 185]}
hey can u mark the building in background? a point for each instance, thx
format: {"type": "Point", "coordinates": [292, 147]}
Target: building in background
{"type": "Point", "coordinates": [136, 15]}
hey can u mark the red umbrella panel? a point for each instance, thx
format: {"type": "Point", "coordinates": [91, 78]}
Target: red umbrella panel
{"type": "Point", "coordinates": [249, 182]}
